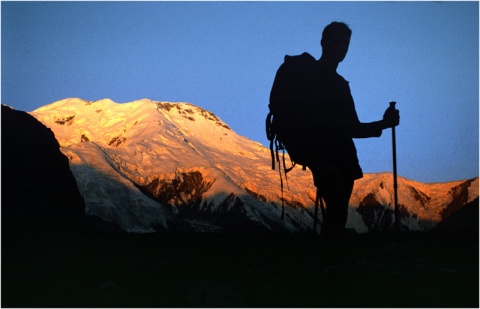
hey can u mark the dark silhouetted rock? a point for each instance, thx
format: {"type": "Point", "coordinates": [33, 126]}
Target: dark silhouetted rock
{"type": "Point", "coordinates": [39, 193]}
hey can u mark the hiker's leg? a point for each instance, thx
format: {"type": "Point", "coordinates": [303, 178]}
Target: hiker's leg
{"type": "Point", "coordinates": [336, 194]}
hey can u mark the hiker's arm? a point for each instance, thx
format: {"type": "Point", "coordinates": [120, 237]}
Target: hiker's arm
{"type": "Point", "coordinates": [349, 126]}
{"type": "Point", "coordinates": [359, 129]}
{"type": "Point", "coordinates": [391, 118]}
{"type": "Point", "coordinates": [354, 127]}
{"type": "Point", "coordinates": [370, 129]}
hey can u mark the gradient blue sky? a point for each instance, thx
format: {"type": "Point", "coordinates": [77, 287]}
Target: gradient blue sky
{"type": "Point", "coordinates": [222, 56]}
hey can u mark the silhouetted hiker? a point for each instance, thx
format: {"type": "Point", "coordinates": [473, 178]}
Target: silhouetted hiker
{"type": "Point", "coordinates": [314, 118]}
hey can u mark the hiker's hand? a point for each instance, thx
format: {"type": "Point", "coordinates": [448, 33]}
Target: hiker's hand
{"type": "Point", "coordinates": [391, 117]}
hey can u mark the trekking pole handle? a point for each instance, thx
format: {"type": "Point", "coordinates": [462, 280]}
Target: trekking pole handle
{"type": "Point", "coordinates": [392, 107]}
{"type": "Point", "coordinates": [392, 104]}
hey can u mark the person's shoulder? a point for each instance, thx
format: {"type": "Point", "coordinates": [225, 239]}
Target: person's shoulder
{"type": "Point", "coordinates": [324, 74]}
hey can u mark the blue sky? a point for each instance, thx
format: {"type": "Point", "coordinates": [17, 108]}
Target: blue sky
{"type": "Point", "coordinates": [222, 56]}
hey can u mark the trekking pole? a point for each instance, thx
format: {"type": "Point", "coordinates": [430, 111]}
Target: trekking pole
{"type": "Point", "coordinates": [315, 218]}
{"type": "Point", "coordinates": [395, 193]}
{"type": "Point", "coordinates": [318, 200]}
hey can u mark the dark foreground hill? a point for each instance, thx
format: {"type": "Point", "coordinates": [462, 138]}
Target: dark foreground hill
{"type": "Point", "coordinates": [39, 193]}
{"type": "Point", "coordinates": [207, 270]}
{"type": "Point", "coordinates": [51, 257]}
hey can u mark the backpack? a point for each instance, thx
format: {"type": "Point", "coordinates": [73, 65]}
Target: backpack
{"type": "Point", "coordinates": [288, 123]}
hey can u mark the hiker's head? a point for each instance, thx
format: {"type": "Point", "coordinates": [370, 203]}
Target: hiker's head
{"type": "Point", "coordinates": [335, 41]}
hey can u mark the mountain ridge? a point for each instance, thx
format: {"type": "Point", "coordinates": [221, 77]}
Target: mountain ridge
{"type": "Point", "coordinates": [169, 164]}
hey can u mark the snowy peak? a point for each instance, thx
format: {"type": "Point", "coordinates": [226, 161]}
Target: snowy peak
{"type": "Point", "coordinates": [190, 112]}
{"type": "Point", "coordinates": [422, 205]}
{"type": "Point", "coordinates": [112, 124]}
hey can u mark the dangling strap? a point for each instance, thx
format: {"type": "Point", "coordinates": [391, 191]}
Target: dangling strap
{"type": "Point", "coordinates": [285, 166]}
{"type": "Point", "coordinates": [271, 136]}
{"type": "Point", "coordinates": [322, 207]}
{"type": "Point", "coordinates": [279, 146]}
{"type": "Point", "coordinates": [281, 188]}
{"type": "Point", "coordinates": [272, 154]}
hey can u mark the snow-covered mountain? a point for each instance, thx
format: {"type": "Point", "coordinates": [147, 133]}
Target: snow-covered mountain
{"type": "Point", "coordinates": [146, 166]}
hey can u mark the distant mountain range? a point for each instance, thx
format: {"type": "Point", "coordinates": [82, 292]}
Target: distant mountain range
{"type": "Point", "coordinates": [149, 166]}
